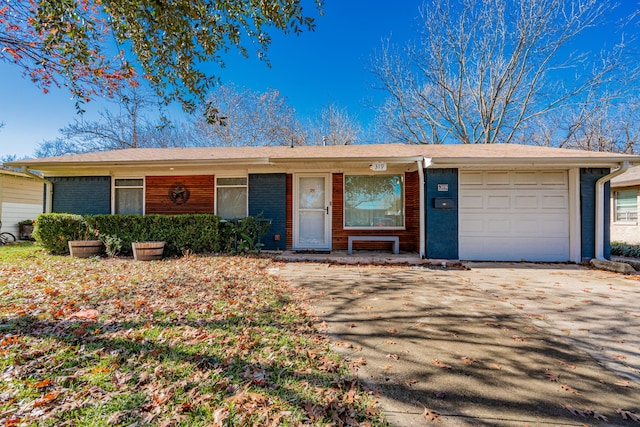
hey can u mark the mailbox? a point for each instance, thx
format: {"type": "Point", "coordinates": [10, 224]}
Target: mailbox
{"type": "Point", "coordinates": [443, 203]}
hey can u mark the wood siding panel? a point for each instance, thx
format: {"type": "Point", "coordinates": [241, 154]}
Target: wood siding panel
{"type": "Point", "coordinates": [201, 194]}
{"type": "Point", "coordinates": [409, 237]}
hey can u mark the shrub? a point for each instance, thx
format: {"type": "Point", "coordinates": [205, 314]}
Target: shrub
{"type": "Point", "coordinates": [54, 230]}
{"type": "Point", "coordinates": [194, 233]}
{"type": "Point", "coordinates": [624, 249]}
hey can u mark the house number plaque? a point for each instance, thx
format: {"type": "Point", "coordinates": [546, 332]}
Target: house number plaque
{"type": "Point", "coordinates": [378, 166]}
{"type": "Point", "coordinates": [179, 193]}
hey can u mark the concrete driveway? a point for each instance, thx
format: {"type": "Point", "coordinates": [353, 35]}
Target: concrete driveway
{"type": "Point", "coordinates": [495, 345]}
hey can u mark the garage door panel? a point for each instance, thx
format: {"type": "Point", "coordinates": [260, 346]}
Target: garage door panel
{"type": "Point", "coordinates": [553, 201]}
{"type": "Point", "coordinates": [472, 202]}
{"type": "Point", "coordinates": [498, 202]}
{"type": "Point", "coordinates": [520, 249]}
{"type": "Point", "coordinates": [513, 216]}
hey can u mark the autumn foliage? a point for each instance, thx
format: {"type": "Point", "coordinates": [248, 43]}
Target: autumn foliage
{"type": "Point", "coordinates": [191, 341]}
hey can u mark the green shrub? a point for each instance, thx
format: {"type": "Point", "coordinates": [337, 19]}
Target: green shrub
{"type": "Point", "coordinates": [195, 233]}
{"type": "Point", "coordinates": [52, 231]}
{"type": "Point", "coordinates": [624, 249]}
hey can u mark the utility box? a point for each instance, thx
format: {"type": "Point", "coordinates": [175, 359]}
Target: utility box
{"type": "Point", "coordinates": [443, 203]}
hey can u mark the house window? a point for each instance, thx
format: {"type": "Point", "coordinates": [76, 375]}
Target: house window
{"type": "Point", "coordinates": [627, 206]}
{"type": "Point", "coordinates": [129, 194]}
{"type": "Point", "coordinates": [231, 197]}
{"type": "Point", "coordinates": [374, 201]}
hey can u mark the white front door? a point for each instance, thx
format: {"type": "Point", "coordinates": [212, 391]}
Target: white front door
{"type": "Point", "coordinates": [312, 212]}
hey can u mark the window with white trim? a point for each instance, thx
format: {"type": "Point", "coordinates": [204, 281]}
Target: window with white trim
{"type": "Point", "coordinates": [231, 197]}
{"type": "Point", "coordinates": [128, 195]}
{"type": "Point", "coordinates": [626, 206]}
{"type": "Point", "coordinates": [374, 201]}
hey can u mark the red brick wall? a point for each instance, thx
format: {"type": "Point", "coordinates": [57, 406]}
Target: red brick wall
{"type": "Point", "coordinates": [409, 237]}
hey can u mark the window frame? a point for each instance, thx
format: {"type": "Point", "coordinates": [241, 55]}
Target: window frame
{"type": "Point", "coordinates": [115, 187]}
{"type": "Point", "coordinates": [616, 207]}
{"type": "Point", "coordinates": [245, 186]}
{"type": "Point", "coordinates": [371, 228]}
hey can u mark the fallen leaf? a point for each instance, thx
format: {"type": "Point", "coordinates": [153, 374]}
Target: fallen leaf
{"type": "Point", "coordinates": [441, 364]}
{"type": "Point", "coordinates": [470, 360]}
{"type": "Point", "coordinates": [569, 389]}
{"type": "Point", "coordinates": [47, 398]}
{"type": "Point", "coordinates": [410, 383]}
{"type": "Point", "coordinates": [628, 415]}
{"type": "Point", "coordinates": [44, 383]}
{"type": "Point", "coordinates": [431, 415]}
{"type": "Point", "coordinates": [552, 376]}
{"type": "Point", "coordinates": [89, 314]}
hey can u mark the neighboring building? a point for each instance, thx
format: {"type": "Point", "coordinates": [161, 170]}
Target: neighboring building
{"type": "Point", "coordinates": [21, 198]}
{"type": "Point", "coordinates": [470, 202]}
{"type": "Point", "coordinates": [624, 207]}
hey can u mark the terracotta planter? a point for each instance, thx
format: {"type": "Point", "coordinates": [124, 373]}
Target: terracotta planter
{"type": "Point", "coordinates": [85, 248]}
{"type": "Point", "coordinates": [147, 251]}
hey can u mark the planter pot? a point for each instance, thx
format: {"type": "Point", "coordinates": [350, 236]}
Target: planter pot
{"type": "Point", "coordinates": [24, 231]}
{"type": "Point", "coordinates": [147, 251]}
{"type": "Point", "coordinates": [85, 248]}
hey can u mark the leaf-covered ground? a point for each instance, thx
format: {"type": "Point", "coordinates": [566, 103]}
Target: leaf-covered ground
{"type": "Point", "coordinates": [188, 341]}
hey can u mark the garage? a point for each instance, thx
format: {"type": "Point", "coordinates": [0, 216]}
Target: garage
{"type": "Point", "coordinates": [514, 215]}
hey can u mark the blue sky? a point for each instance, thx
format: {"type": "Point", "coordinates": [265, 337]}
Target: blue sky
{"type": "Point", "coordinates": [311, 70]}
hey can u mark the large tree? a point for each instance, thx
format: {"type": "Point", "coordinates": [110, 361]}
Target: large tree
{"type": "Point", "coordinates": [234, 116]}
{"type": "Point", "coordinates": [135, 122]}
{"type": "Point", "coordinates": [71, 42]}
{"type": "Point", "coordinates": [484, 71]}
{"type": "Point", "coordinates": [333, 126]}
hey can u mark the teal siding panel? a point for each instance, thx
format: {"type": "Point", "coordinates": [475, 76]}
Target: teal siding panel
{"type": "Point", "coordinates": [441, 210]}
{"type": "Point", "coordinates": [267, 198]}
{"type": "Point", "coordinates": [588, 178]}
{"type": "Point", "coordinates": [84, 195]}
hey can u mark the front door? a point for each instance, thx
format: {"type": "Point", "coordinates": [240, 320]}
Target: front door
{"type": "Point", "coordinates": [312, 224]}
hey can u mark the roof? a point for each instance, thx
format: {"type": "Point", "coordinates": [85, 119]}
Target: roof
{"type": "Point", "coordinates": [11, 172]}
{"type": "Point", "coordinates": [439, 154]}
{"type": "Point", "coordinates": [629, 178]}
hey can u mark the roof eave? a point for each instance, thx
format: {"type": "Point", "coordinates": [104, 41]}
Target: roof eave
{"type": "Point", "coordinates": [533, 161]}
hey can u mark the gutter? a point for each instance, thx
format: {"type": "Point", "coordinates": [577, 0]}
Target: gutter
{"type": "Point", "coordinates": [423, 163]}
{"type": "Point", "coordinates": [49, 194]}
{"type": "Point", "coordinates": [599, 241]}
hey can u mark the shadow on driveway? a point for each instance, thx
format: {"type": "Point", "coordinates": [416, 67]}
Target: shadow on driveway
{"type": "Point", "coordinates": [496, 345]}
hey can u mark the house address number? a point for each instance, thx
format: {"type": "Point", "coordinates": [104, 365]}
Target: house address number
{"type": "Point", "coordinates": [378, 166]}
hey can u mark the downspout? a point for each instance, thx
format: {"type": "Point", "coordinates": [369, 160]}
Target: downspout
{"type": "Point", "coordinates": [49, 194]}
{"type": "Point", "coordinates": [422, 164]}
{"type": "Point", "coordinates": [599, 240]}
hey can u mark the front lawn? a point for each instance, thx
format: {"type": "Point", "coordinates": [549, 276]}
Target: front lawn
{"type": "Point", "coordinates": [192, 341]}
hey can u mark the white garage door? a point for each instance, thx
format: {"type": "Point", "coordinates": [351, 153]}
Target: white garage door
{"type": "Point", "coordinates": [514, 216]}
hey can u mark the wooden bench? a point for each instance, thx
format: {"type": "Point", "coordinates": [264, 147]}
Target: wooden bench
{"type": "Point", "coordinates": [394, 239]}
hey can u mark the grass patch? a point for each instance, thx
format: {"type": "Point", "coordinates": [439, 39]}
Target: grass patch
{"type": "Point", "coordinates": [190, 341]}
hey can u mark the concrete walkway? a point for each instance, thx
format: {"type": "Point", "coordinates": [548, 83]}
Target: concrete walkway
{"type": "Point", "coordinates": [495, 345]}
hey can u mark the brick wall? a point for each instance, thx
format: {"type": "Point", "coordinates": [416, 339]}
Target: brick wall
{"type": "Point", "coordinates": [83, 195]}
{"type": "Point", "coordinates": [409, 237]}
{"type": "Point", "coordinates": [267, 197]}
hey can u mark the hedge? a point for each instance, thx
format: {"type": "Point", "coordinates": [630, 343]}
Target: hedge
{"type": "Point", "coordinates": [624, 249]}
{"type": "Point", "coordinates": [195, 233]}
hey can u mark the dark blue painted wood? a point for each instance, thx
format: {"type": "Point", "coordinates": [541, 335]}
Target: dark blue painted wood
{"type": "Point", "coordinates": [588, 178]}
{"type": "Point", "coordinates": [267, 198]}
{"type": "Point", "coordinates": [84, 195]}
{"type": "Point", "coordinates": [441, 223]}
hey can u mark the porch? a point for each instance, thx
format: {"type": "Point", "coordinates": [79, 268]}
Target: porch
{"type": "Point", "coordinates": [362, 257]}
